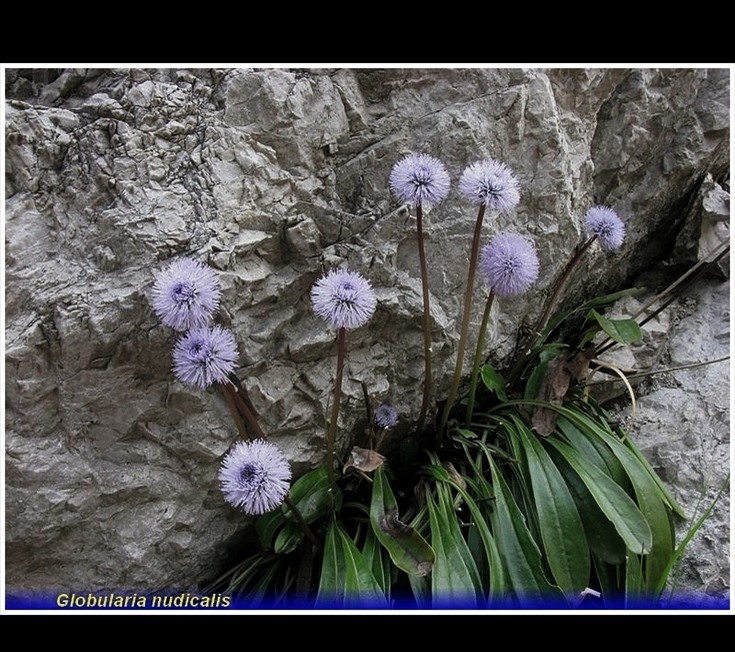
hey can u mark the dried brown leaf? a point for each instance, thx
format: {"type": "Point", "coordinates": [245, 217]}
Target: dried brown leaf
{"type": "Point", "coordinates": [363, 459]}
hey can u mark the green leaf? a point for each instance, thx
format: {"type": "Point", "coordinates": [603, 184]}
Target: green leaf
{"type": "Point", "coordinates": [666, 495]}
{"type": "Point", "coordinates": [625, 331]}
{"type": "Point", "coordinates": [346, 579]}
{"type": "Point", "coordinates": [288, 539]}
{"type": "Point", "coordinates": [266, 527]}
{"type": "Point", "coordinates": [494, 381]}
{"type": "Point", "coordinates": [312, 495]}
{"type": "Point", "coordinates": [581, 434]}
{"type": "Point", "coordinates": [562, 532]}
{"type": "Point", "coordinates": [377, 559]}
{"type": "Point", "coordinates": [598, 422]}
{"type": "Point", "coordinates": [517, 548]}
{"type": "Point", "coordinates": [407, 548]}
{"type": "Point", "coordinates": [483, 493]}
{"type": "Point", "coordinates": [604, 542]}
{"type": "Point", "coordinates": [649, 500]}
{"type": "Point", "coordinates": [690, 534]}
{"type": "Point", "coordinates": [455, 577]}
{"type": "Point", "coordinates": [619, 508]}
{"type": "Point", "coordinates": [609, 299]}
{"type": "Point", "coordinates": [634, 582]}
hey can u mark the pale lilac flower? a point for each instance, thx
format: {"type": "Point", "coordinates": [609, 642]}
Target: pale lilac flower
{"type": "Point", "coordinates": [603, 222]}
{"type": "Point", "coordinates": [205, 356]}
{"type": "Point", "coordinates": [509, 264]}
{"type": "Point", "coordinates": [186, 294]}
{"type": "Point", "coordinates": [344, 298]}
{"type": "Point", "coordinates": [255, 476]}
{"type": "Point", "coordinates": [419, 179]}
{"type": "Point", "coordinates": [385, 416]}
{"type": "Point", "coordinates": [492, 183]}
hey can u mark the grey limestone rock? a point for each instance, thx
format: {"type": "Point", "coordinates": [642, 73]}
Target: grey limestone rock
{"type": "Point", "coordinates": [272, 176]}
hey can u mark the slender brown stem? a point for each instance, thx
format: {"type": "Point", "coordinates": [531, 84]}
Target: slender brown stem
{"type": "Point", "coordinates": [332, 430]}
{"type": "Point", "coordinates": [466, 310]}
{"type": "Point", "coordinates": [538, 330]}
{"type": "Point", "coordinates": [304, 525]}
{"type": "Point", "coordinates": [561, 284]}
{"type": "Point", "coordinates": [252, 423]}
{"type": "Point", "coordinates": [236, 416]}
{"type": "Point", "coordinates": [427, 319]}
{"type": "Point", "coordinates": [684, 281]}
{"type": "Point", "coordinates": [478, 358]}
{"type": "Point", "coordinates": [705, 262]}
{"type": "Point", "coordinates": [643, 374]}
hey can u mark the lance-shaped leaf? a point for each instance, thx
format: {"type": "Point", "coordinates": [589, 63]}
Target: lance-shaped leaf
{"type": "Point", "coordinates": [454, 578]}
{"type": "Point", "coordinates": [517, 548]}
{"type": "Point", "coordinates": [346, 579]}
{"type": "Point", "coordinates": [377, 559]}
{"type": "Point", "coordinates": [562, 533]}
{"type": "Point", "coordinates": [494, 381]}
{"type": "Point", "coordinates": [649, 498]}
{"type": "Point", "coordinates": [407, 548]}
{"type": "Point", "coordinates": [312, 495]}
{"type": "Point", "coordinates": [482, 491]}
{"type": "Point", "coordinates": [617, 506]}
{"type": "Point", "coordinates": [625, 331]}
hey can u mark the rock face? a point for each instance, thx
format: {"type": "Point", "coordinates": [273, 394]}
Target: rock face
{"type": "Point", "coordinates": [271, 177]}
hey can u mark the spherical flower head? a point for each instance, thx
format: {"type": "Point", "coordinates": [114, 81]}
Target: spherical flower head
{"type": "Point", "coordinates": [344, 298]}
{"type": "Point", "coordinates": [385, 416]}
{"type": "Point", "coordinates": [186, 294]}
{"type": "Point", "coordinates": [509, 264]}
{"type": "Point", "coordinates": [492, 183]}
{"type": "Point", "coordinates": [420, 179]}
{"type": "Point", "coordinates": [205, 356]}
{"type": "Point", "coordinates": [603, 222]}
{"type": "Point", "coordinates": [255, 476]}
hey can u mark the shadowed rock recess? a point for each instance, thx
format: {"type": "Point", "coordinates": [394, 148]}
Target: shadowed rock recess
{"type": "Point", "coordinates": [272, 176]}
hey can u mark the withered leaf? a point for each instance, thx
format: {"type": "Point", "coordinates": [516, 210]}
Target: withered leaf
{"type": "Point", "coordinates": [454, 475]}
{"type": "Point", "coordinates": [555, 384]}
{"type": "Point", "coordinates": [392, 525]}
{"type": "Point", "coordinates": [363, 459]}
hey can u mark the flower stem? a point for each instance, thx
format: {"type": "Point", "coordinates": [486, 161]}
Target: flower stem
{"type": "Point", "coordinates": [561, 283]}
{"type": "Point", "coordinates": [332, 430]}
{"type": "Point", "coordinates": [427, 319]}
{"type": "Point", "coordinates": [304, 525]}
{"type": "Point", "coordinates": [538, 330]}
{"type": "Point", "coordinates": [478, 358]}
{"type": "Point", "coordinates": [232, 395]}
{"type": "Point", "coordinates": [465, 324]}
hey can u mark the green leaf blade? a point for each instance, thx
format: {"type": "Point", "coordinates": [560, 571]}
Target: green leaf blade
{"type": "Point", "coordinates": [408, 550]}
{"type": "Point", "coordinates": [312, 495]}
{"type": "Point", "coordinates": [520, 554]}
{"type": "Point", "coordinates": [494, 381]}
{"type": "Point", "coordinates": [617, 506]}
{"type": "Point", "coordinates": [454, 577]}
{"type": "Point", "coordinates": [562, 531]}
{"type": "Point", "coordinates": [625, 331]}
{"type": "Point", "coordinates": [346, 580]}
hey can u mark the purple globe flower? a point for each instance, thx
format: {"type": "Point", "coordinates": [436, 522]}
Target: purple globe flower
{"type": "Point", "coordinates": [205, 356]}
{"type": "Point", "coordinates": [492, 183]}
{"type": "Point", "coordinates": [385, 416]}
{"type": "Point", "coordinates": [344, 298]}
{"type": "Point", "coordinates": [509, 264]}
{"type": "Point", "coordinates": [186, 294]}
{"type": "Point", "coordinates": [603, 222]}
{"type": "Point", "coordinates": [419, 179]}
{"type": "Point", "coordinates": [255, 476]}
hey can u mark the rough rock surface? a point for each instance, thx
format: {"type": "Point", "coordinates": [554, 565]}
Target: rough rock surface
{"type": "Point", "coordinates": [272, 176]}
